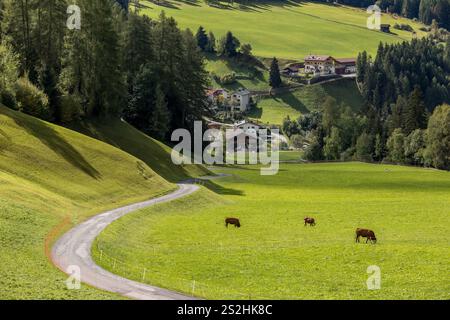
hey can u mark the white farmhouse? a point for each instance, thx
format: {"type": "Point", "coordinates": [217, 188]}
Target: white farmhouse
{"type": "Point", "coordinates": [240, 100]}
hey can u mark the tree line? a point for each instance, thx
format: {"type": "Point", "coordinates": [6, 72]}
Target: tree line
{"type": "Point", "coordinates": [424, 10]}
{"type": "Point", "coordinates": [119, 63]}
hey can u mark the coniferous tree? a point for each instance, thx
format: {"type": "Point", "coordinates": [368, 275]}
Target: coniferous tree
{"type": "Point", "coordinates": [93, 63]}
{"type": "Point", "coordinates": [202, 38]}
{"type": "Point", "coordinates": [414, 116]}
{"type": "Point", "coordinates": [160, 117]}
{"type": "Point", "coordinates": [211, 46]}
{"type": "Point", "coordinates": [229, 45]}
{"type": "Point", "coordinates": [138, 46]}
{"type": "Point", "coordinates": [274, 77]}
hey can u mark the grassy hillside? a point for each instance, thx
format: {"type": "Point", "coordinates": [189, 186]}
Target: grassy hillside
{"type": "Point", "coordinates": [285, 29]}
{"type": "Point", "coordinates": [253, 78]}
{"type": "Point", "coordinates": [50, 178]}
{"type": "Point", "coordinates": [154, 153]}
{"type": "Point", "coordinates": [273, 110]}
{"type": "Point", "coordinates": [273, 256]}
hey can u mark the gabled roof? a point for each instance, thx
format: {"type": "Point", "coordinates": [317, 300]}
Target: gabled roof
{"type": "Point", "coordinates": [242, 91]}
{"type": "Point", "coordinates": [346, 61]}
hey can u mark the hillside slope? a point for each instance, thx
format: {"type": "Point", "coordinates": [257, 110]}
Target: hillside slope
{"type": "Point", "coordinates": [274, 109]}
{"type": "Point", "coordinates": [53, 178]}
{"type": "Point", "coordinates": [286, 29]}
{"type": "Point", "coordinates": [154, 153]}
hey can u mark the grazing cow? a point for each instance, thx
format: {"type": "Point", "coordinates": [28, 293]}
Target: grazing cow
{"type": "Point", "coordinates": [232, 221]}
{"type": "Point", "coordinates": [366, 233]}
{"type": "Point", "coordinates": [310, 221]}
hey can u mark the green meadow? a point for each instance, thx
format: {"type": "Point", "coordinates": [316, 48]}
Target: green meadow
{"type": "Point", "coordinates": [273, 110]}
{"type": "Point", "coordinates": [285, 29]}
{"type": "Point", "coordinates": [51, 179]}
{"type": "Point", "coordinates": [184, 245]}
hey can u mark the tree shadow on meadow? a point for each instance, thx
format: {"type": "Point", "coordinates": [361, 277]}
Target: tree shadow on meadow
{"type": "Point", "coordinates": [52, 139]}
{"type": "Point", "coordinates": [216, 188]}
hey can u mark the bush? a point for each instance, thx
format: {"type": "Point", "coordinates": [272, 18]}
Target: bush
{"type": "Point", "coordinates": [70, 109]}
{"type": "Point", "coordinates": [227, 79]}
{"type": "Point", "coordinates": [314, 151]}
{"type": "Point", "coordinates": [297, 141]}
{"type": "Point", "coordinates": [31, 100]}
{"type": "Point", "coordinates": [8, 99]}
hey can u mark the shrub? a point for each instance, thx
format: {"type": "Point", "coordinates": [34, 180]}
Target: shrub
{"type": "Point", "coordinates": [227, 79]}
{"type": "Point", "coordinates": [8, 99]}
{"type": "Point", "coordinates": [31, 100]}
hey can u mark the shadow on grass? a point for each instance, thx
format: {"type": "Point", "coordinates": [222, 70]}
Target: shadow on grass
{"type": "Point", "coordinates": [125, 137]}
{"type": "Point", "coordinates": [5, 141]}
{"type": "Point", "coordinates": [222, 190]}
{"type": "Point", "coordinates": [52, 139]}
{"type": "Point", "coordinates": [291, 100]}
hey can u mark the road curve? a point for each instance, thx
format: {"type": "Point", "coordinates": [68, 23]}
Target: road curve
{"type": "Point", "coordinates": [74, 249]}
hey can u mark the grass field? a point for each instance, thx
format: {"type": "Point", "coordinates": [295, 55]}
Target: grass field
{"type": "Point", "coordinates": [293, 104]}
{"type": "Point", "coordinates": [50, 178]}
{"type": "Point", "coordinates": [274, 256]}
{"type": "Point", "coordinates": [285, 29]}
{"type": "Point", "coordinates": [245, 76]}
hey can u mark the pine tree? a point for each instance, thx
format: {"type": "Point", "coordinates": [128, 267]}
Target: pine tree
{"type": "Point", "coordinates": [160, 117]}
{"type": "Point", "coordinates": [211, 47]}
{"type": "Point", "coordinates": [414, 116]}
{"type": "Point", "coordinates": [202, 38]}
{"type": "Point", "coordinates": [275, 78]}
{"type": "Point", "coordinates": [93, 59]}
{"type": "Point", "coordinates": [229, 45]}
{"type": "Point", "coordinates": [138, 46]}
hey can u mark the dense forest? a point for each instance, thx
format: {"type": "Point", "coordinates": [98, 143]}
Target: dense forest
{"type": "Point", "coordinates": [116, 63]}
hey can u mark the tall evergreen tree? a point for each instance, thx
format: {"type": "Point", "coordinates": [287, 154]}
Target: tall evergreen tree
{"type": "Point", "coordinates": [229, 45]}
{"type": "Point", "coordinates": [138, 46]}
{"type": "Point", "coordinates": [202, 38]}
{"type": "Point", "coordinates": [97, 76]}
{"type": "Point", "coordinates": [414, 116]}
{"type": "Point", "coordinates": [274, 77]}
{"type": "Point", "coordinates": [211, 46]}
{"type": "Point", "coordinates": [161, 118]}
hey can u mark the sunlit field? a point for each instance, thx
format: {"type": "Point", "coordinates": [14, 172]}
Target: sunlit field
{"type": "Point", "coordinates": [184, 245]}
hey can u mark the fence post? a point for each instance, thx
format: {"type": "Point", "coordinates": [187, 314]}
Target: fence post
{"type": "Point", "coordinates": [143, 274]}
{"type": "Point", "coordinates": [114, 265]}
{"type": "Point", "coordinates": [193, 287]}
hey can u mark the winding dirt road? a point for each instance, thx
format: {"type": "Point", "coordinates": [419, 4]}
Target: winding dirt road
{"type": "Point", "coordinates": [74, 249]}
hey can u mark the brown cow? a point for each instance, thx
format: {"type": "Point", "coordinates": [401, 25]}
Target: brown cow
{"type": "Point", "coordinates": [366, 233]}
{"type": "Point", "coordinates": [310, 221]}
{"type": "Point", "coordinates": [232, 221]}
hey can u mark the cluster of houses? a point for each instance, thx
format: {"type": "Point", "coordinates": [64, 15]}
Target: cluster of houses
{"type": "Point", "coordinates": [244, 131]}
{"type": "Point", "coordinates": [321, 65]}
{"type": "Point", "coordinates": [238, 100]}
